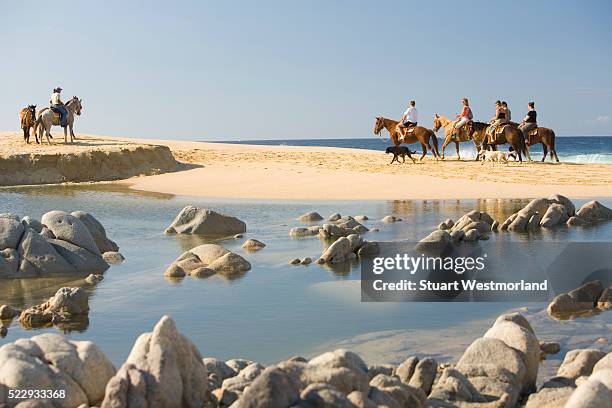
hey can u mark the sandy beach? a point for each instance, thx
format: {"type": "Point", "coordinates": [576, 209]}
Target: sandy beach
{"type": "Point", "coordinates": [240, 171]}
{"type": "Point", "coordinates": [324, 173]}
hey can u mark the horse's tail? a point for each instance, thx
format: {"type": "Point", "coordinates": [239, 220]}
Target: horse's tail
{"type": "Point", "coordinates": [552, 138]}
{"type": "Point", "coordinates": [435, 143]}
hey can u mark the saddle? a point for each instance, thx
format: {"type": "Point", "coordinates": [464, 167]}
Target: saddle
{"type": "Point", "coordinates": [465, 133]}
{"type": "Point", "coordinates": [533, 132]}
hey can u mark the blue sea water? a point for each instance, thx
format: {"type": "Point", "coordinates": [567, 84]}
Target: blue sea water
{"type": "Point", "coordinates": [573, 149]}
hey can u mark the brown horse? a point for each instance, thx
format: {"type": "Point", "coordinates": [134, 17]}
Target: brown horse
{"type": "Point", "coordinates": [27, 117]}
{"type": "Point", "coordinates": [511, 135]}
{"type": "Point", "coordinates": [547, 137]}
{"type": "Point", "coordinates": [419, 134]}
{"type": "Point", "coordinates": [476, 134]}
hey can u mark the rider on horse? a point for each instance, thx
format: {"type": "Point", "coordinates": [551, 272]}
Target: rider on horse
{"type": "Point", "coordinates": [409, 119]}
{"type": "Point", "coordinates": [529, 121]}
{"type": "Point", "coordinates": [464, 117]}
{"type": "Point", "coordinates": [498, 119]}
{"type": "Point", "coordinates": [58, 106]}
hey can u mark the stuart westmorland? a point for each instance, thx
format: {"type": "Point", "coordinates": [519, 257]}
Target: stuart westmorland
{"type": "Point", "coordinates": [489, 286]}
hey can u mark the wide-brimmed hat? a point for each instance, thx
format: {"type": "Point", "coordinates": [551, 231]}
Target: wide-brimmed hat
{"type": "Point", "coordinates": [58, 89]}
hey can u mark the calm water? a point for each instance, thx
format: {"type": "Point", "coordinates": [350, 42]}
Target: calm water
{"type": "Point", "coordinates": [575, 149]}
{"type": "Point", "coordinates": [275, 310]}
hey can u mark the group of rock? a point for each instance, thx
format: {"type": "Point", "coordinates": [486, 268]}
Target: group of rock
{"type": "Point", "coordinates": [165, 369]}
{"type": "Point", "coordinates": [586, 299]}
{"type": "Point", "coordinates": [60, 244]}
{"type": "Point", "coordinates": [538, 213]}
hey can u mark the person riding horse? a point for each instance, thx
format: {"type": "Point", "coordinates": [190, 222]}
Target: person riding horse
{"type": "Point", "coordinates": [464, 118]}
{"type": "Point", "coordinates": [529, 121]}
{"type": "Point", "coordinates": [497, 120]}
{"type": "Point", "coordinates": [58, 106]}
{"type": "Point", "coordinates": [409, 119]}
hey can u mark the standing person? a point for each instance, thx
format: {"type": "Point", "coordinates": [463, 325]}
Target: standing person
{"type": "Point", "coordinates": [498, 119]}
{"type": "Point", "coordinates": [529, 121]}
{"type": "Point", "coordinates": [410, 118]}
{"type": "Point", "coordinates": [464, 117]}
{"type": "Point", "coordinates": [58, 106]}
{"type": "Point", "coordinates": [507, 111]}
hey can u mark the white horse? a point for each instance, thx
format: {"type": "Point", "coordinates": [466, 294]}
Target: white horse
{"type": "Point", "coordinates": [47, 118]}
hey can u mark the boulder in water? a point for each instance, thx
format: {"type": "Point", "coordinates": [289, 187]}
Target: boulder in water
{"type": "Point", "coordinates": [202, 221]}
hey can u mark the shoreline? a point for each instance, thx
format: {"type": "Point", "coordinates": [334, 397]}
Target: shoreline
{"type": "Point", "coordinates": [316, 173]}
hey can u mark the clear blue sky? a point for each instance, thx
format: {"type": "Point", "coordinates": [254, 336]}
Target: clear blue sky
{"type": "Point", "coordinates": [309, 69]}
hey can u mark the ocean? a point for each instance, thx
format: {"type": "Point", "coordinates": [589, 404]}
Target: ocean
{"type": "Point", "coordinates": [573, 149]}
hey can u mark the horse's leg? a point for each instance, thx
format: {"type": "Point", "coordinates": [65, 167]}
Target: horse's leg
{"type": "Point", "coordinates": [424, 146]}
{"type": "Point", "coordinates": [446, 142]}
{"type": "Point", "coordinates": [545, 149]}
{"type": "Point", "coordinates": [65, 134]}
{"type": "Point", "coordinates": [49, 137]}
{"type": "Point", "coordinates": [72, 136]}
{"type": "Point", "coordinates": [517, 148]}
{"type": "Point", "coordinates": [457, 148]}
{"type": "Point", "coordinates": [26, 135]}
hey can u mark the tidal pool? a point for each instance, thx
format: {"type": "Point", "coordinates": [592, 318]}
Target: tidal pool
{"type": "Point", "coordinates": [275, 310]}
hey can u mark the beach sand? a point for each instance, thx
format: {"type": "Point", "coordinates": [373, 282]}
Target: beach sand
{"type": "Point", "coordinates": [325, 173]}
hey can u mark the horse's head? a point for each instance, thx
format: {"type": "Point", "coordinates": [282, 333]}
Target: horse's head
{"type": "Point", "coordinates": [32, 109]}
{"type": "Point", "coordinates": [78, 105]}
{"type": "Point", "coordinates": [378, 125]}
{"type": "Point", "coordinates": [437, 123]}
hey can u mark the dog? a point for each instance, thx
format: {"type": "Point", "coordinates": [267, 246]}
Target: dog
{"type": "Point", "coordinates": [400, 151]}
{"type": "Point", "coordinates": [495, 156]}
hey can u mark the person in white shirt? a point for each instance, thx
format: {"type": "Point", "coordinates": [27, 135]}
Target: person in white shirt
{"type": "Point", "coordinates": [58, 106]}
{"type": "Point", "coordinates": [410, 118]}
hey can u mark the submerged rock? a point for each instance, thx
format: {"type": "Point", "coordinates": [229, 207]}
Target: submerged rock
{"type": "Point", "coordinates": [312, 216]}
{"type": "Point", "coordinates": [212, 257]}
{"type": "Point", "coordinates": [66, 305]}
{"type": "Point", "coordinates": [202, 221]}
{"type": "Point", "coordinates": [581, 300]}
{"type": "Point", "coordinates": [298, 232]}
{"type": "Point", "coordinates": [253, 245]}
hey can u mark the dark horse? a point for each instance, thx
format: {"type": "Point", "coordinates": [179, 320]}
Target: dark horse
{"type": "Point", "coordinates": [419, 134]}
{"type": "Point", "coordinates": [545, 136]}
{"type": "Point", "coordinates": [27, 116]}
{"type": "Point", "coordinates": [511, 135]}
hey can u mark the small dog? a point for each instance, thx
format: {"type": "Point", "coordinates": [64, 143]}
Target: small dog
{"type": "Point", "coordinates": [495, 156]}
{"type": "Point", "coordinates": [400, 151]}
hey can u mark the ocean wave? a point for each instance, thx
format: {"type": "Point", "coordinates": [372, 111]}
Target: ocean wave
{"type": "Point", "coordinates": [592, 158]}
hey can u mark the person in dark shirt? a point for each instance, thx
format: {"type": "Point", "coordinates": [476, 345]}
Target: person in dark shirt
{"type": "Point", "coordinates": [498, 119]}
{"type": "Point", "coordinates": [529, 121]}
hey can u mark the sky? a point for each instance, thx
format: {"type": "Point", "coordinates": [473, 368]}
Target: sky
{"type": "Point", "coordinates": [310, 69]}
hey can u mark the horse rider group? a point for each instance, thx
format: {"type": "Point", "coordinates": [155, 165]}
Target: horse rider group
{"type": "Point", "coordinates": [464, 119]}
{"type": "Point", "coordinates": [58, 106]}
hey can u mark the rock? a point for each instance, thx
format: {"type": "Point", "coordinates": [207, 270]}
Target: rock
{"type": "Point", "coordinates": [36, 225]}
{"type": "Point", "coordinates": [386, 369]}
{"type": "Point", "coordinates": [298, 232]}
{"type": "Point", "coordinates": [97, 231]}
{"type": "Point", "coordinates": [323, 395]}
{"type": "Point", "coordinates": [46, 233]}
{"type": "Point", "coordinates": [65, 305]}
{"type": "Point", "coordinates": [564, 201]}
{"type": "Point", "coordinates": [368, 249]}
{"type": "Point", "coordinates": [39, 258]}
{"type": "Point", "coordinates": [361, 400]}
{"type": "Point", "coordinates": [406, 369]}
{"type": "Point", "coordinates": [577, 301]}
{"type": "Point", "coordinates": [603, 363]}
{"type": "Point", "coordinates": [555, 215]}
{"type": "Point", "coordinates": [575, 221]}
{"type": "Point", "coordinates": [210, 256]}
{"type": "Point", "coordinates": [67, 227]}
{"type": "Point", "coordinates": [273, 388]}
{"type": "Point", "coordinates": [238, 236]}
{"type": "Point", "coordinates": [81, 259]}
{"type": "Point", "coordinates": [11, 231]}
{"type": "Point", "coordinates": [595, 392]}
{"type": "Point", "coordinates": [454, 387]}
{"type": "Point", "coordinates": [522, 339]}
{"type": "Point", "coordinates": [424, 375]}
{"type": "Point", "coordinates": [163, 369]}
{"type": "Point", "coordinates": [390, 219]}
{"type": "Point", "coordinates": [495, 226]}
{"type": "Point", "coordinates": [404, 395]}
{"type": "Point", "coordinates": [7, 312]}
{"type": "Point", "coordinates": [295, 261]}
{"type": "Point", "coordinates": [244, 378]}
{"type": "Point", "coordinates": [253, 245]}
{"type": "Point", "coordinates": [449, 223]}
{"type": "Point", "coordinates": [202, 221]}
{"type": "Point", "coordinates": [593, 212]}
{"type": "Point", "coordinates": [550, 347]}
{"type": "Point", "coordinates": [437, 241]}
{"type": "Point", "coordinates": [50, 361]}
{"type": "Point", "coordinates": [550, 397]}
{"type": "Point", "coordinates": [515, 318]}
{"type": "Point", "coordinates": [219, 368]}
{"type": "Point", "coordinates": [457, 236]}
{"type": "Point", "coordinates": [312, 216]}
{"type": "Point", "coordinates": [361, 218]}
{"type": "Point", "coordinates": [579, 362]}
{"type": "Point", "coordinates": [534, 222]}
{"type": "Point", "coordinates": [338, 251]}
{"type": "Point", "coordinates": [334, 217]}
{"type": "Point", "coordinates": [495, 369]}
{"type": "Point", "coordinates": [442, 226]}
{"type": "Point", "coordinates": [238, 364]}
{"type": "Point", "coordinates": [331, 231]}
{"type": "Point", "coordinates": [113, 257]}
{"type": "Point", "coordinates": [93, 279]}
{"type": "Point", "coordinates": [9, 263]}
{"type": "Point", "coordinates": [604, 302]}
{"type": "Point", "coordinates": [224, 397]}
{"type": "Point", "coordinates": [471, 235]}
{"type": "Point", "coordinates": [306, 261]}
